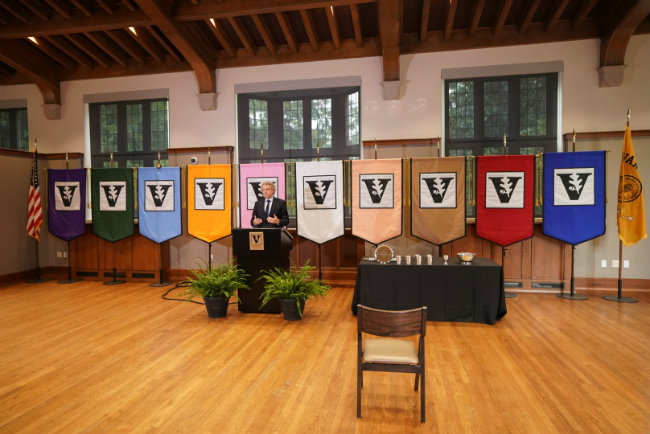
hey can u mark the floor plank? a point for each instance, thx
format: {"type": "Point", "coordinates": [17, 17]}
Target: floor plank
{"type": "Point", "coordinates": [90, 358]}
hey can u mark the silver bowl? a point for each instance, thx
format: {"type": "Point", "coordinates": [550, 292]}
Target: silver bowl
{"type": "Point", "coordinates": [465, 258]}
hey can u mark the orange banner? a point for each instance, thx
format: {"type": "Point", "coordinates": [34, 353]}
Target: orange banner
{"type": "Point", "coordinates": [630, 210]}
{"type": "Point", "coordinates": [438, 199]}
{"type": "Point", "coordinates": [209, 209]}
{"type": "Point", "coordinates": [376, 199]}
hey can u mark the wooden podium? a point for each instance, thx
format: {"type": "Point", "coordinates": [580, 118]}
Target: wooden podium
{"type": "Point", "coordinates": [257, 250]}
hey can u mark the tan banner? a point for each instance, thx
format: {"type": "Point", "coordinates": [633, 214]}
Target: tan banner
{"type": "Point", "coordinates": [376, 199]}
{"type": "Point", "coordinates": [438, 199]}
{"type": "Point", "coordinates": [209, 215]}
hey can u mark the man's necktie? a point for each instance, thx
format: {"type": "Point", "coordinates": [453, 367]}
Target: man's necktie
{"type": "Point", "coordinates": [268, 208]}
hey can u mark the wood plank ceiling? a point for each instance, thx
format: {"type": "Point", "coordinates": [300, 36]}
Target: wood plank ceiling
{"type": "Point", "coordinates": [49, 41]}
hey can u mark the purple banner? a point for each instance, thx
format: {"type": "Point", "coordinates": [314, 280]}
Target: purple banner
{"type": "Point", "coordinates": [67, 203]}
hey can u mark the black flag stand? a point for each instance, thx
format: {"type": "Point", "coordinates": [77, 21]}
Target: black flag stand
{"type": "Point", "coordinates": [69, 279]}
{"type": "Point", "coordinates": [161, 282]}
{"type": "Point", "coordinates": [37, 277]}
{"type": "Point", "coordinates": [114, 281]}
{"type": "Point", "coordinates": [619, 297]}
{"type": "Point", "coordinates": [507, 294]}
{"type": "Point", "coordinates": [572, 295]}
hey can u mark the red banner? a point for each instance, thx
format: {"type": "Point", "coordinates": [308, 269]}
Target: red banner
{"type": "Point", "coordinates": [504, 205]}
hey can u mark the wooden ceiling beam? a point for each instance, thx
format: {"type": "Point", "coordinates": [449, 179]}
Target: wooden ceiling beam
{"type": "Point", "coordinates": [109, 46]}
{"type": "Point", "coordinates": [77, 23]}
{"type": "Point", "coordinates": [129, 5]}
{"type": "Point", "coordinates": [623, 23]}
{"type": "Point", "coordinates": [61, 7]}
{"type": "Point", "coordinates": [192, 51]}
{"type": "Point", "coordinates": [243, 35]}
{"type": "Point", "coordinates": [125, 42]}
{"type": "Point", "coordinates": [16, 9]}
{"type": "Point", "coordinates": [424, 19]}
{"type": "Point", "coordinates": [82, 7]}
{"type": "Point", "coordinates": [104, 5]}
{"type": "Point", "coordinates": [287, 32]}
{"type": "Point", "coordinates": [356, 25]}
{"type": "Point", "coordinates": [451, 17]}
{"type": "Point", "coordinates": [585, 8]}
{"type": "Point", "coordinates": [333, 26]}
{"type": "Point", "coordinates": [71, 50]}
{"type": "Point", "coordinates": [528, 16]}
{"type": "Point", "coordinates": [37, 9]}
{"type": "Point", "coordinates": [263, 29]}
{"type": "Point", "coordinates": [4, 17]}
{"type": "Point", "coordinates": [222, 37]}
{"type": "Point", "coordinates": [149, 43]}
{"type": "Point", "coordinates": [504, 10]}
{"type": "Point", "coordinates": [389, 31]}
{"type": "Point", "coordinates": [308, 22]}
{"type": "Point", "coordinates": [164, 43]}
{"type": "Point", "coordinates": [236, 8]}
{"type": "Point", "coordinates": [87, 46]}
{"type": "Point", "coordinates": [27, 60]}
{"type": "Point", "coordinates": [477, 12]}
{"type": "Point", "coordinates": [56, 54]}
{"type": "Point", "coordinates": [554, 18]}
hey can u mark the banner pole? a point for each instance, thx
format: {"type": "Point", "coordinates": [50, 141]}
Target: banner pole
{"type": "Point", "coordinates": [507, 294]}
{"type": "Point", "coordinates": [619, 297]}
{"type": "Point", "coordinates": [572, 295]}
{"type": "Point", "coordinates": [69, 279]}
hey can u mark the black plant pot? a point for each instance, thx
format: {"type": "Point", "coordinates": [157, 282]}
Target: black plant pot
{"type": "Point", "coordinates": [290, 309]}
{"type": "Point", "coordinates": [217, 306]}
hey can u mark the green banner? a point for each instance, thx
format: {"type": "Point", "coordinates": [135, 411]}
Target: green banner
{"type": "Point", "coordinates": [112, 203]}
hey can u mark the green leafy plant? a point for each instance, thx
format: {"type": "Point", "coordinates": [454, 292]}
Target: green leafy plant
{"type": "Point", "coordinates": [223, 280]}
{"type": "Point", "coordinates": [294, 284]}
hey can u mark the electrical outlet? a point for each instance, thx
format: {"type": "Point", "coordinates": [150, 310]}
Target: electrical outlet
{"type": "Point", "coordinates": [626, 263]}
{"type": "Point", "coordinates": [59, 254]}
{"type": "Point", "coordinates": [603, 263]}
{"type": "Point", "coordinates": [614, 263]}
{"type": "Point", "coordinates": [65, 254]}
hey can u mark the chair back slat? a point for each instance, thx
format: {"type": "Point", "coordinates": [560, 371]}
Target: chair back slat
{"type": "Point", "coordinates": [392, 323]}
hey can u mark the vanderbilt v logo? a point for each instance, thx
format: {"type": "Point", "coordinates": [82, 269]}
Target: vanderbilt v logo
{"type": "Point", "coordinates": [158, 193]}
{"type": "Point", "coordinates": [256, 186]}
{"type": "Point", "coordinates": [438, 187]}
{"type": "Point", "coordinates": [574, 183]}
{"type": "Point", "coordinates": [319, 189]}
{"type": "Point", "coordinates": [67, 193]}
{"type": "Point", "coordinates": [112, 193]}
{"type": "Point", "coordinates": [505, 186]}
{"type": "Point", "coordinates": [376, 188]}
{"type": "Point", "coordinates": [209, 191]}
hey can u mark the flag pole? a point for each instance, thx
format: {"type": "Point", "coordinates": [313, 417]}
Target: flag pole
{"type": "Point", "coordinates": [507, 294]}
{"type": "Point", "coordinates": [572, 294]}
{"type": "Point", "coordinates": [320, 257]}
{"type": "Point", "coordinates": [619, 296]}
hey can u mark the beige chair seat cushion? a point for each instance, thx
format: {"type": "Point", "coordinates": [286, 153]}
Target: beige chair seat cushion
{"type": "Point", "coordinates": [390, 351]}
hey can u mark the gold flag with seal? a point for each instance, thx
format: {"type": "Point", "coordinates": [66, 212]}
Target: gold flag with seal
{"type": "Point", "coordinates": [630, 209]}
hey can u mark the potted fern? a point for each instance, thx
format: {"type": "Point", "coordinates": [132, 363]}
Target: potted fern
{"type": "Point", "coordinates": [293, 287]}
{"type": "Point", "coordinates": [216, 285]}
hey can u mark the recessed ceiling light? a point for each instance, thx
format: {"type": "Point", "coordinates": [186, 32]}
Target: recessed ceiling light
{"type": "Point", "coordinates": [132, 29]}
{"type": "Point", "coordinates": [213, 23]}
{"type": "Point", "coordinates": [33, 39]}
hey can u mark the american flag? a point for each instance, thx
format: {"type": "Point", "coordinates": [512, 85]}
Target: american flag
{"type": "Point", "coordinates": [34, 212]}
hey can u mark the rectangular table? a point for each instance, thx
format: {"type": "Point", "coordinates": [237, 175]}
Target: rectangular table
{"type": "Point", "coordinates": [453, 292]}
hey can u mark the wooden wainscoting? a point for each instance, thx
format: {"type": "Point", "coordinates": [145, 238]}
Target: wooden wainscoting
{"type": "Point", "coordinates": [136, 258]}
{"type": "Point", "coordinates": [540, 263]}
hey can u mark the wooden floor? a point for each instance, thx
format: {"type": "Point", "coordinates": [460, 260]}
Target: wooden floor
{"type": "Point", "coordinates": [90, 358]}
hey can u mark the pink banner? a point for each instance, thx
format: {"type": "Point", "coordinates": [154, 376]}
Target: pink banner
{"type": "Point", "coordinates": [251, 177]}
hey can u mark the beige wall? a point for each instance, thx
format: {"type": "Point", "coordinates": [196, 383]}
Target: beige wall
{"type": "Point", "coordinates": [417, 113]}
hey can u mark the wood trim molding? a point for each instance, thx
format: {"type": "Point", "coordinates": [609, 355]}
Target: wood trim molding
{"type": "Point", "coordinates": [402, 142]}
{"type": "Point", "coordinates": [604, 135]}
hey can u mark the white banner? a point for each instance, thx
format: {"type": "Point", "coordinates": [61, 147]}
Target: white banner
{"type": "Point", "coordinates": [319, 200]}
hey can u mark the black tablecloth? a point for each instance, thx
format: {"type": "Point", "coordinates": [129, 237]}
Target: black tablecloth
{"type": "Point", "coordinates": [453, 292]}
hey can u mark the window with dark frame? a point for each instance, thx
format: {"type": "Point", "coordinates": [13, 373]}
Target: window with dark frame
{"type": "Point", "coordinates": [481, 111]}
{"type": "Point", "coordinates": [14, 132]}
{"type": "Point", "coordinates": [298, 125]}
{"type": "Point", "coordinates": [134, 131]}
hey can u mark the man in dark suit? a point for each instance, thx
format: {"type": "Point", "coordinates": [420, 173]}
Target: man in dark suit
{"type": "Point", "coordinates": [269, 211]}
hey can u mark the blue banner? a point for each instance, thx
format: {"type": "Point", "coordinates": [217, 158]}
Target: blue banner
{"type": "Point", "coordinates": [574, 195]}
{"type": "Point", "coordinates": [159, 203]}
